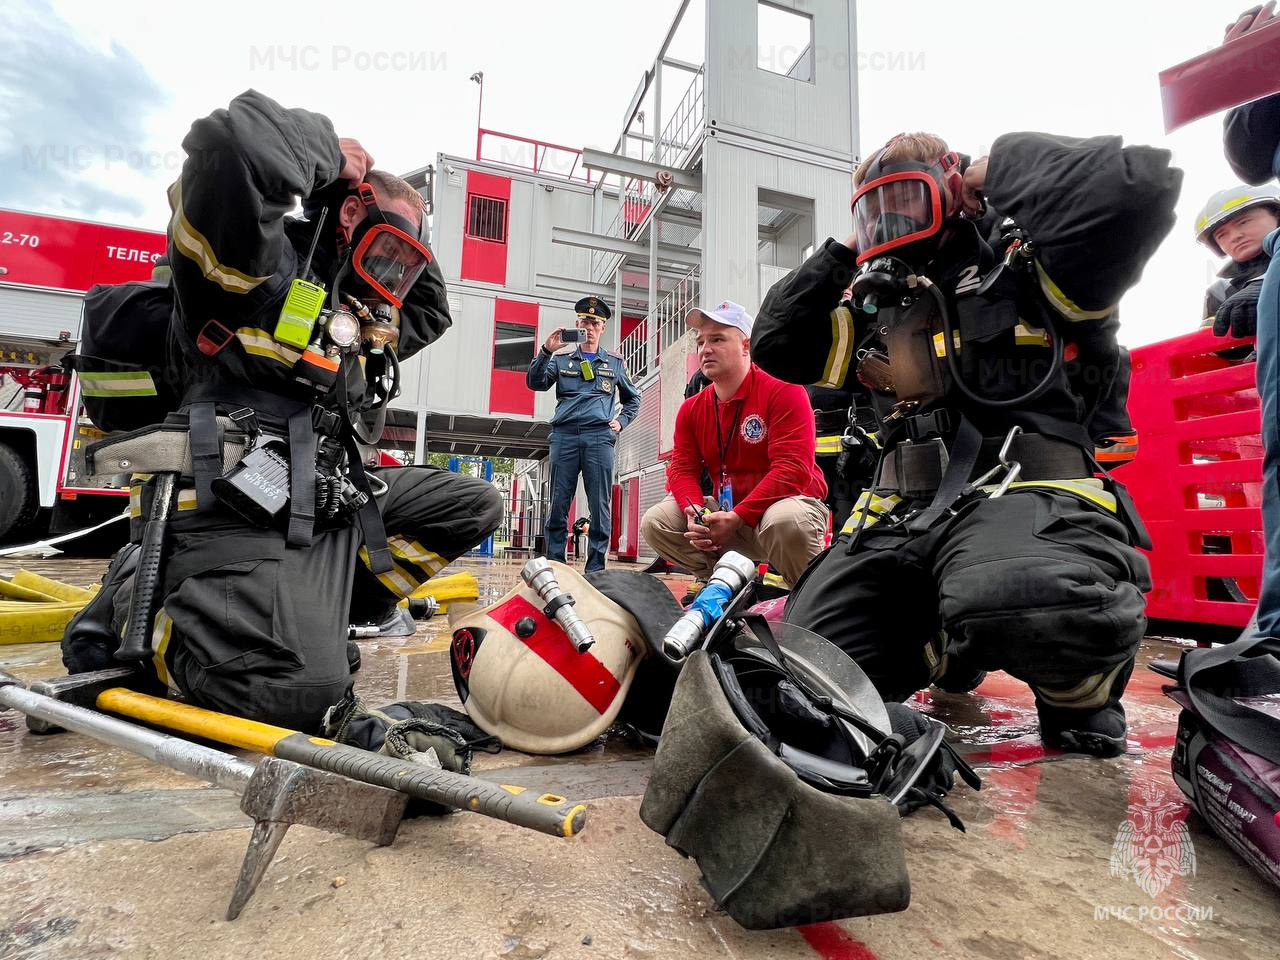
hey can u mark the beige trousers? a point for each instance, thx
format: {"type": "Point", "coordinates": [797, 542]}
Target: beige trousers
{"type": "Point", "coordinates": [789, 536]}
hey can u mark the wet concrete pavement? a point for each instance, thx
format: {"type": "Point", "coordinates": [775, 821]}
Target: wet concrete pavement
{"type": "Point", "coordinates": [104, 854]}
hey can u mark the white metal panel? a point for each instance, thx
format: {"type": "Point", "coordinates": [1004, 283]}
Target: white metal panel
{"type": "Point", "coordinates": [653, 488]}
{"type": "Point", "coordinates": [522, 236]}
{"type": "Point", "coordinates": [448, 219]}
{"type": "Point", "coordinates": [829, 189]}
{"type": "Point", "coordinates": [638, 444]}
{"type": "Point", "coordinates": [459, 364]}
{"type": "Point", "coordinates": [39, 314]}
{"type": "Point", "coordinates": [742, 96]}
{"type": "Point", "coordinates": [557, 207]}
{"type": "Point", "coordinates": [732, 177]}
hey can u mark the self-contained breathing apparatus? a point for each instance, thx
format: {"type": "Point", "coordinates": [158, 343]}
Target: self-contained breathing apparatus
{"type": "Point", "coordinates": [271, 456]}
{"type": "Point", "coordinates": [386, 255]}
{"type": "Point", "coordinates": [909, 354]}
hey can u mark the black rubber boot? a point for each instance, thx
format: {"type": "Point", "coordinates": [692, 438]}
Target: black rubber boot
{"type": "Point", "coordinates": [959, 676]}
{"type": "Point", "coordinates": [1098, 732]}
{"type": "Point", "coordinates": [90, 641]}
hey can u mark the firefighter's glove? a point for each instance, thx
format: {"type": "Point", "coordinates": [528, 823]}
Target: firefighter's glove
{"type": "Point", "coordinates": [1239, 313]}
{"type": "Point", "coordinates": [410, 731]}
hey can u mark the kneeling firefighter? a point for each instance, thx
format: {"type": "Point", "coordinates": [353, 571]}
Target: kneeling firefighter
{"type": "Point", "coordinates": [272, 358]}
{"type": "Point", "coordinates": [988, 540]}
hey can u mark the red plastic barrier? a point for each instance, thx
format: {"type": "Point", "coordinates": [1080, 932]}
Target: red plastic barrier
{"type": "Point", "coordinates": [1197, 478]}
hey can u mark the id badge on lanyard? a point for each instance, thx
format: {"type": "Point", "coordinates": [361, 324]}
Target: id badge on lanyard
{"type": "Point", "coordinates": [724, 490]}
{"type": "Point", "coordinates": [725, 494]}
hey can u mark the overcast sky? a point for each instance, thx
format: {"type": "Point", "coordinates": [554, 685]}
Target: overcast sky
{"type": "Point", "coordinates": [96, 97]}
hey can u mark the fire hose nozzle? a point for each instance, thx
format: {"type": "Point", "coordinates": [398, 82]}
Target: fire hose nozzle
{"type": "Point", "coordinates": [733, 572]}
{"type": "Point", "coordinates": [541, 576]}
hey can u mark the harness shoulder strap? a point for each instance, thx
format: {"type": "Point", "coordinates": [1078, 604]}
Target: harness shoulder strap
{"type": "Point", "coordinates": [206, 451]}
{"type": "Point", "coordinates": [963, 458]}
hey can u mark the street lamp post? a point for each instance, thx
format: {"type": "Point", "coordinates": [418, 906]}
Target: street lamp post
{"type": "Point", "coordinates": [478, 77]}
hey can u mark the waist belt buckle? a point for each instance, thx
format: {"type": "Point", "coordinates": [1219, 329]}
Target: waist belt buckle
{"type": "Point", "coordinates": [1012, 468]}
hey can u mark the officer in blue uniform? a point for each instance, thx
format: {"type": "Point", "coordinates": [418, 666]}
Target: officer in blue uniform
{"type": "Point", "coordinates": [589, 384]}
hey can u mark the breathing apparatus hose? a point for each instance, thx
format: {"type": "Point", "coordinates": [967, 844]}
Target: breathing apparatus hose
{"type": "Point", "coordinates": [948, 346]}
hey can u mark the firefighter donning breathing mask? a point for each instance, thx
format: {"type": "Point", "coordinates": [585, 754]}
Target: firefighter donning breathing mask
{"type": "Point", "coordinates": [264, 534]}
{"type": "Point", "coordinates": [983, 328]}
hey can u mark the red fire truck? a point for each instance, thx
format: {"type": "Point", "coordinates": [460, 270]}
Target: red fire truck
{"type": "Point", "coordinates": [46, 265]}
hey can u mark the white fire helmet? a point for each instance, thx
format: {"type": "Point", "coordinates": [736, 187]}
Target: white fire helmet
{"type": "Point", "coordinates": [1232, 202]}
{"type": "Point", "coordinates": [523, 680]}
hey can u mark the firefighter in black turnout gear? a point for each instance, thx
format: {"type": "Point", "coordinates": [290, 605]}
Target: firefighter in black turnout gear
{"type": "Point", "coordinates": [990, 539]}
{"type": "Point", "coordinates": [287, 334]}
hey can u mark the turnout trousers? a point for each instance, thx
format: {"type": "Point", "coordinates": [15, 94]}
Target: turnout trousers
{"type": "Point", "coordinates": [1039, 583]}
{"type": "Point", "coordinates": [252, 627]}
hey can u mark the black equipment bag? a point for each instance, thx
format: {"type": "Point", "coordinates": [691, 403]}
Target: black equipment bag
{"type": "Point", "coordinates": [126, 379]}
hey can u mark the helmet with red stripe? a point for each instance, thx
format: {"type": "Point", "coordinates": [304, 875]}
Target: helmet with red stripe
{"type": "Point", "coordinates": [521, 678]}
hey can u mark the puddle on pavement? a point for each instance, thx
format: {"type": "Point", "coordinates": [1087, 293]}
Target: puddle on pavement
{"type": "Point", "coordinates": [1026, 800]}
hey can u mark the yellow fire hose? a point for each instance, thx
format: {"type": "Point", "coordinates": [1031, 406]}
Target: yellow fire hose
{"type": "Point", "coordinates": [36, 609]}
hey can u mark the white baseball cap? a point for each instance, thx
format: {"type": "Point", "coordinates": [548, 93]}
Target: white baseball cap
{"type": "Point", "coordinates": [727, 312]}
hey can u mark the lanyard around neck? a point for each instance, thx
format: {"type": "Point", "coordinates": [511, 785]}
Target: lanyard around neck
{"type": "Point", "coordinates": [723, 444]}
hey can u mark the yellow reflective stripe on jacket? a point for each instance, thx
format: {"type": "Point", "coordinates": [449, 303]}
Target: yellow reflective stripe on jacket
{"type": "Point", "coordinates": [161, 634]}
{"type": "Point", "coordinates": [192, 244]}
{"type": "Point", "coordinates": [259, 343]}
{"type": "Point", "coordinates": [828, 445]}
{"type": "Point", "coordinates": [429, 561]}
{"type": "Point", "coordinates": [837, 366]}
{"type": "Point", "coordinates": [1090, 489]}
{"type": "Point", "coordinates": [133, 383]}
{"type": "Point", "coordinates": [1025, 335]}
{"type": "Point", "coordinates": [873, 505]}
{"type": "Point", "coordinates": [939, 340]}
{"type": "Point", "coordinates": [1062, 303]}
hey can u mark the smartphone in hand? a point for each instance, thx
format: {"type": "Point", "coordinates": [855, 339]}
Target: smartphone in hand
{"type": "Point", "coordinates": [571, 335]}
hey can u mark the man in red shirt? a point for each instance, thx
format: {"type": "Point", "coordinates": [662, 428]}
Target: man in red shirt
{"type": "Point", "coordinates": [754, 435]}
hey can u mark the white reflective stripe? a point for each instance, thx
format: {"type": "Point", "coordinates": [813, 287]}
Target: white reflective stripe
{"type": "Point", "coordinates": [259, 343]}
{"type": "Point", "coordinates": [134, 383]}
{"type": "Point", "coordinates": [1062, 303]}
{"type": "Point", "coordinates": [417, 554]}
{"type": "Point", "coordinates": [837, 368]}
{"type": "Point", "coordinates": [192, 245]}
